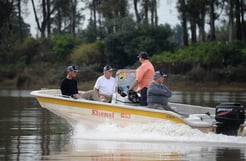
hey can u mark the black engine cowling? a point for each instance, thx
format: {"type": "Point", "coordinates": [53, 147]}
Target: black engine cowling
{"type": "Point", "coordinates": [229, 117]}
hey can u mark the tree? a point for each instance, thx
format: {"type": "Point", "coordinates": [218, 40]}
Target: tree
{"type": "Point", "coordinates": [45, 16]}
{"type": "Point", "coordinates": [154, 16]}
{"type": "Point", "coordinates": [181, 6]}
{"type": "Point", "coordinates": [63, 15]}
{"type": "Point", "coordinates": [215, 9]}
{"type": "Point", "coordinates": [147, 14]}
{"type": "Point", "coordinates": [20, 22]}
{"type": "Point", "coordinates": [212, 20]}
{"type": "Point", "coordinates": [231, 19]}
{"type": "Point", "coordinates": [93, 21]}
{"type": "Point", "coordinates": [12, 23]}
{"type": "Point", "coordinates": [136, 11]}
{"type": "Point", "coordinates": [111, 11]}
{"type": "Point", "coordinates": [242, 4]}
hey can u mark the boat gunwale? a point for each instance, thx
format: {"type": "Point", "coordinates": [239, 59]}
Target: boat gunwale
{"type": "Point", "coordinates": [43, 93]}
{"type": "Point", "coordinates": [37, 93]}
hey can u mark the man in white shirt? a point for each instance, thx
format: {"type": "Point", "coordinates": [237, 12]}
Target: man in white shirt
{"type": "Point", "coordinates": [105, 85]}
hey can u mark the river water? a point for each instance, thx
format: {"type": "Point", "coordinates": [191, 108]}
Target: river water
{"type": "Point", "coordinates": [30, 133]}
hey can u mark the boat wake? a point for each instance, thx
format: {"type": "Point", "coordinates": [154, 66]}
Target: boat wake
{"type": "Point", "coordinates": [163, 131]}
{"type": "Point", "coordinates": [154, 141]}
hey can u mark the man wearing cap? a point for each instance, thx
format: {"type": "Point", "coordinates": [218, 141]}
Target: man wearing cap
{"type": "Point", "coordinates": [144, 76]}
{"type": "Point", "coordinates": [69, 84]}
{"type": "Point", "coordinates": [105, 85]}
{"type": "Point", "coordinates": [158, 93]}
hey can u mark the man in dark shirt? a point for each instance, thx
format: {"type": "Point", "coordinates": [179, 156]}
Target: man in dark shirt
{"type": "Point", "coordinates": [69, 84]}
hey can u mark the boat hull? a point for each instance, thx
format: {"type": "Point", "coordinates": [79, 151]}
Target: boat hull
{"type": "Point", "coordinates": [92, 113]}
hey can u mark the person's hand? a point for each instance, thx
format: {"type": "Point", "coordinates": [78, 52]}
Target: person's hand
{"type": "Point", "coordinates": [130, 88]}
{"type": "Point", "coordinates": [77, 96]}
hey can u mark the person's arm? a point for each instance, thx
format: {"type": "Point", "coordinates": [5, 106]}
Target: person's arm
{"type": "Point", "coordinates": [62, 87]}
{"type": "Point", "coordinates": [134, 84]}
{"type": "Point", "coordinates": [96, 91]}
{"type": "Point", "coordinates": [167, 92]}
{"type": "Point", "coordinates": [76, 92]}
{"type": "Point", "coordinates": [159, 90]}
{"type": "Point", "coordinates": [96, 86]}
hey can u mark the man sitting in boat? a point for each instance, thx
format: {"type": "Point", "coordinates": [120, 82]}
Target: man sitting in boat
{"type": "Point", "coordinates": [103, 88]}
{"type": "Point", "coordinates": [105, 85]}
{"type": "Point", "coordinates": [158, 93]}
{"type": "Point", "coordinates": [69, 84]}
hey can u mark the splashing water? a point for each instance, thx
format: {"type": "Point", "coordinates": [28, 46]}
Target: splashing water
{"type": "Point", "coordinates": [162, 131]}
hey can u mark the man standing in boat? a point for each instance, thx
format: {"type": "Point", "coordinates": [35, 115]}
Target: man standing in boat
{"type": "Point", "coordinates": [158, 93]}
{"type": "Point", "coordinates": [69, 84]}
{"type": "Point", "coordinates": [144, 76]}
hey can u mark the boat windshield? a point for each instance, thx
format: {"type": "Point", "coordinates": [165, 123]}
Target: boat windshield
{"type": "Point", "coordinates": [124, 78]}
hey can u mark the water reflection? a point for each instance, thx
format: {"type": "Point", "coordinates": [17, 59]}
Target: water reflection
{"type": "Point", "coordinates": [27, 132]}
{"type": "Point", "coordinates": [229, 154]}
{"type": "Point", "coordinates": [210, 99]}
{"type": "Point", "coordinates": [135, 151]}
{"type": "Point", "coordinates": [15, 93]}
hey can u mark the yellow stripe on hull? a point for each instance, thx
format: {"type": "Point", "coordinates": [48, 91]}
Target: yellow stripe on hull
{"type": "Point", "coordinates": [123, 111]}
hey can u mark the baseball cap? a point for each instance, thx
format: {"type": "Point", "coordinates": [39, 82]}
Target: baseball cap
{"type": "Point", "coordinates": [72, 68]}
{"type": "Point", "coordinates": [159, 74]}
{"type": "Point", "coordinates": [107, 67]}
{"type": "Point", "coordinates": [143, 55]}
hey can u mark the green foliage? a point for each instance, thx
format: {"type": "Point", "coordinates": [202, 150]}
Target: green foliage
{"type": "Point", "coordinates": [164, 57]}
{"type": "Point", "coordinates": [155, 39]}
{"type": "Point", "coordinates": [92, 53]}
{"type": "Point", "coordinates": [206, 61]}
{"type": "Point", "coordinates": [89, 35]}
{"type": "Point", "coordinates": [63, 46]}
{"type": "Point", "coordinates": [26, 51]}
{"type": "Point", "coordinates": [123, 47]}
{"type": "Point", "coordinates": [232, 53]}
{"type": "Point", "coordinates": [114, 47]}
{"type": "Point", "coordinates": [209, 54]}
{"type": "Point", "coordinates": [112, 8]}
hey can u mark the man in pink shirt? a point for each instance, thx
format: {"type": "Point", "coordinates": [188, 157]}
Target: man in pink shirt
{"type": "Point", "coordinates": [144, 76]}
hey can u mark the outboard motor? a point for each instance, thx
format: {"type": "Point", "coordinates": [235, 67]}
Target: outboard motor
{"type": "Point", "coordinates": [229, 117]}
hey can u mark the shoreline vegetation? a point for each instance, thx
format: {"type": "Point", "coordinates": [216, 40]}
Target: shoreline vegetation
{"type": "Point", "coordinates": [198, 67]}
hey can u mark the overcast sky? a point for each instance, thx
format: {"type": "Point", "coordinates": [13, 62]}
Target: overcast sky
{"type": "Point", "coordinates": [167, 13]}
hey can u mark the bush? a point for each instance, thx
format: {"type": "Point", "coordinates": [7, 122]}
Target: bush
{"type": "Point", "coordinates": [87, 54]}
{"type": "Point", "coordinates": [216, 61]}
{"type": "Point", "coordinates": [27, 51]}
{"type": "Point", "coordinates": [63, 46]}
